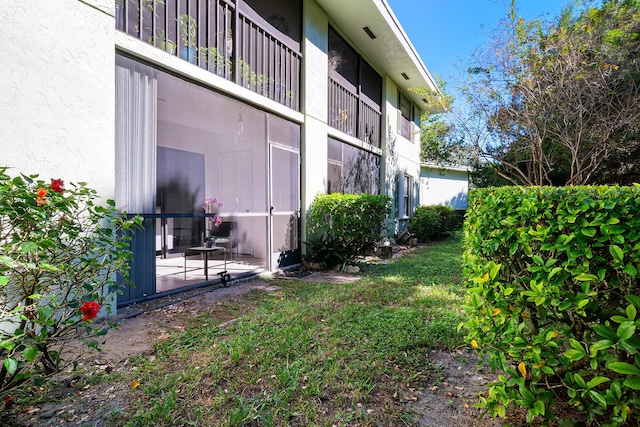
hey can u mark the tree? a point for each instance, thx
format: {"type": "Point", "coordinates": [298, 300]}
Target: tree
{"type": "Point", "coordinates": [437, 141]}
{"type": "Point", "coordinates": [556, 103]}
{"type": "Point", "coordinates": [440, 141]}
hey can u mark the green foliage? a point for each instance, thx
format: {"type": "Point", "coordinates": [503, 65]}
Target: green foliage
{"type": "Point", "coordinates": [553, 298]}
{"type": "Point", "coordinates": [188, 30]}
{"type": "Point", "coordinates": [486, 174]}
{"type": "Point", "coordinates": [343, 226]}
{"type": "Point", "coordinates": [329, 250]}
{"type": "Point", "coordinates": [545, 97]}
{"type": "Point", "coordinates": [434, 222]}
{"type": "Point", "coordinates": [441, 142]}
{"type": "Point", "coordinates": [59, 255]}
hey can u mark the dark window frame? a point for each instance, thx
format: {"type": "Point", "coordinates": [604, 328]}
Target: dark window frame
{"type": "Point", "coordinates": [361, 181]}
{"type": "Point", "coordinates": [406, 196]}
{"type": "Point", "coordinates": [406, 116]}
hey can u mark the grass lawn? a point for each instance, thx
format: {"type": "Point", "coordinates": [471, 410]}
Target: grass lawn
{"type": "Point", "coordinates": [309, 354]}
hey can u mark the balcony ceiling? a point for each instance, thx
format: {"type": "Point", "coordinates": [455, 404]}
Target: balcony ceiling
{"type": "Point", "coordinates": [391, 51]}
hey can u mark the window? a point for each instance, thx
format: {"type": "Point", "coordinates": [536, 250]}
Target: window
{"type": "Point", "coordinates": [283, 15]}
{"type": "Point", "coordinates": [178, 143]}
{"type": "Point", "coordinates": [343, 61]}
{"type": "Point", "coordinates": [351, 169]}
{"type": "Point", "coordinates": [406, 196]}
{"type": "Point", "coordinates": [406, 116]}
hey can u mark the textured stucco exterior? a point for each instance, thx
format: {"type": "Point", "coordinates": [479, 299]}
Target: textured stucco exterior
{"type": "Point", "coordinates": [314, 104]}
{"type": "Point", "coordinates": [401, 155]}
{"type": "Point", "coordinates": [57, 85]}
{"type": "Point", "coordinates": [57, 69]}
{"type": "Point", "coordinates": [444, 186]}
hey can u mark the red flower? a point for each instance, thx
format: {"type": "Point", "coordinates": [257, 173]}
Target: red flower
{"type": "Point", "coordinates": [8, 402]}
{"type": "Point", "coordinates": [57, 185]}
{"type": "Point", "coordinates": [90, 309]}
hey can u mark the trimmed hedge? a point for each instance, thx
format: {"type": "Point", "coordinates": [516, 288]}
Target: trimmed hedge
{"type": "Point", "coordinates": [553, 298]}
{"type": "Point", "coordinates": [343, 226]}
{"type": "Point", "coordinates": [434, 222]}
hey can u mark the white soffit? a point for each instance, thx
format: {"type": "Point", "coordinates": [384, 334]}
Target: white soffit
{"type": "Point", "coordinates": [391, 51]}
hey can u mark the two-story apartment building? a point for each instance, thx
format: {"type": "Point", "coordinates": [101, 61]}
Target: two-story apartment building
{"type": "Point", "coordinates": [163, 104]}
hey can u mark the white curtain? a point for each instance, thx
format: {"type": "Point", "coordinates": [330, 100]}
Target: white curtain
{"type": "Point", "coordinates": [136, 100]}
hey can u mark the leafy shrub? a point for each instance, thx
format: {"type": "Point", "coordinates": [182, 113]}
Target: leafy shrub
{"type": "Point", "coordinates": [434, 222]}
{"type": "Point", "coordinates": [59, 255]}
{"type": "Point", "coordinates": [343, 226]}
{"type": "Point", "coordinates": [553, 298]}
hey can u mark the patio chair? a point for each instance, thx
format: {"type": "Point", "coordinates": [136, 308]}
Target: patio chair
{"type": "Point", "coordinates": [226, 235]}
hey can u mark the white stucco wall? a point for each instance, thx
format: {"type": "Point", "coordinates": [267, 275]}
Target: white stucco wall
{"type": "Point", "coordinates": [314, 106]}
{"type": "Point", "coordinates": [401, 155]}
{"type": "Point", "coordinates": [449, 187]}
{"type": "Point", "coordinates": [314, 103]}
{"type": "Point", "coordinates": [57, 85]}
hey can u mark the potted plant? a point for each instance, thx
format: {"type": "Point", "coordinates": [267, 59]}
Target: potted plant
{"type": "Point", "coordinates": [189, 33]}
{"type": "Point", "coordinates": [216, 62]}
{"type": "Point", "coordinates": [160, 40]}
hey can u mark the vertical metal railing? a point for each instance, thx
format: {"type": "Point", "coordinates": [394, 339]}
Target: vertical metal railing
{"type": "Point", "coordinates": [267, 65]}
{"type": "Point", "coordinates": [204, 33]}
{"type": "Point", "coordinates": [343, 108]}
{"type": "Point", "coordinates": [353, 115]}
{"type": "Point", "coordinates": [369, 123]}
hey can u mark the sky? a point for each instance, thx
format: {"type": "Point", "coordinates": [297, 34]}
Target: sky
{"type": "Point", "coordinates": [446, 32]}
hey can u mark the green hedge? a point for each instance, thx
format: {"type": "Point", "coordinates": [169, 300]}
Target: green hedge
{"type": "Point", "coordinates": [434, 222]}
{"type": "Point", "coordinates": [553, 298]}
{"type": "Point", "coordinates": [343, 226]}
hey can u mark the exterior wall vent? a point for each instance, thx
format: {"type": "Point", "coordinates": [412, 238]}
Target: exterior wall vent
{"type": "Point", "coordinates": [369, 32]}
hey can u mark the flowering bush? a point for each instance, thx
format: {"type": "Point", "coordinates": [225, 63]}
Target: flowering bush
{"type": "Point", "coordinates": [59, 255]}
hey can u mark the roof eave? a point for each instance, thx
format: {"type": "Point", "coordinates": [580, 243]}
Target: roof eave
{"type": "Point", "coordinates": [390, 51]}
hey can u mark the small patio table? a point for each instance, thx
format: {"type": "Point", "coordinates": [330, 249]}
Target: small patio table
{"type": "Point", "coordinates": [205, 251]}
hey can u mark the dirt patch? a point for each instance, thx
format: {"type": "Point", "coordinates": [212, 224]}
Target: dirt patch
{"type": "Point", "coordinates": [142, 325]}
{"type": "Point", "coordinates": [449, 401]}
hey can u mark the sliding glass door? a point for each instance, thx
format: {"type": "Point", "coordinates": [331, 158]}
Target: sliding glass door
{"type": "Point", "coordinates": [201, 145]}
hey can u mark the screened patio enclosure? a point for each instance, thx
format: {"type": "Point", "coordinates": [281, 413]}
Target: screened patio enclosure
{"type": "Point", "coordinates": [179, 144]}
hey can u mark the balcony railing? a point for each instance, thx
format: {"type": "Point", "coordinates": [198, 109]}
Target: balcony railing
{"type": "Point", "coordinates": [369, 122]}
{"type": "Point", "coordinates": [354, 115]}
{"type": "Point", "coordinates": [266, 64]}
{"type": "Point", "coordinates": [238, 45]}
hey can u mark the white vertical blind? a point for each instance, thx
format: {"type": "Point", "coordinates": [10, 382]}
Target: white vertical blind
{"type": "Point", "coordinates": [136, 117]}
